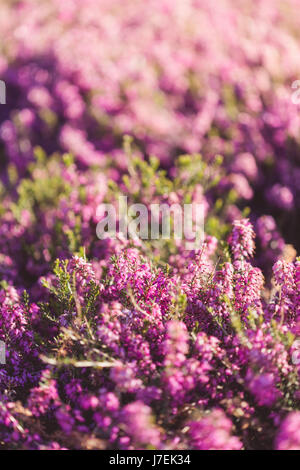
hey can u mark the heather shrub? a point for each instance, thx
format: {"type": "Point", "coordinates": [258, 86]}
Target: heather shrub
{"type": "Point", "coordinates": [123, 342]}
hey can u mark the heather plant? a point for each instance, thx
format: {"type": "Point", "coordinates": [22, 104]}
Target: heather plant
{"type": "Point", "coordinates": [126, 353]}
{"type": "Point", "coordinates": [126, 343]}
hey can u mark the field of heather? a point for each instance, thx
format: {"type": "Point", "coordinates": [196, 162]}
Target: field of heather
{"type": "Point", "coordinates": [117, 330]}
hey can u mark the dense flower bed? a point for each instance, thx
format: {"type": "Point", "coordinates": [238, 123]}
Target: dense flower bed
{"type": "Point", "coordinates": [142, 344]}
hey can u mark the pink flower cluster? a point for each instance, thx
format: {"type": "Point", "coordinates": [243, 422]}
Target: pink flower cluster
{"type": "Point", "coordinates": [143, 344]}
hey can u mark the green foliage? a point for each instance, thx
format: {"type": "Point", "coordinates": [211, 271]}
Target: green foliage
{"type": "Point", "coordinates": [44, 186]}
{"type": "Point", "coordinates": [65, 298]}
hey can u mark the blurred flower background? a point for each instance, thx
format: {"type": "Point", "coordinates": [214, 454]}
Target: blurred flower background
{"type": "Point", "coordinates": [115, 344]}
